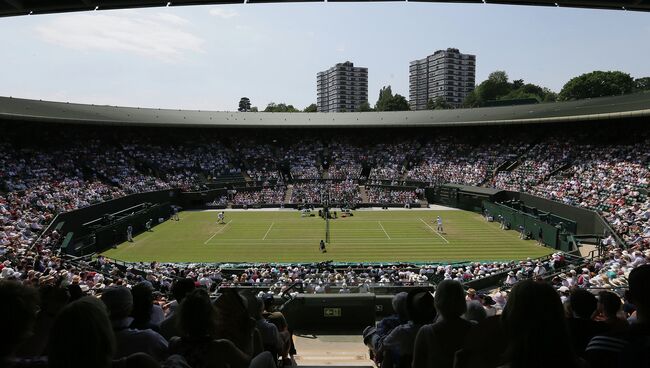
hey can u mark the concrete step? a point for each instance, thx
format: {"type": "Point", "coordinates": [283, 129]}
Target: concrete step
{"type": "Point", "coordinates": [288, 193]}
{"type": "Point", "coordinates": [331, 351]}
{"type": "Point", "coordinates": [363, 193]}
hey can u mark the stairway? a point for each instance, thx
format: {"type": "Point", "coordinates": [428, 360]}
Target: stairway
{"type": "Point", "coordinates": [288, 193]}
{"type": "Point", "coordinates": [363, 194]}
{"type": "Point", "coordinates": [331, 351]}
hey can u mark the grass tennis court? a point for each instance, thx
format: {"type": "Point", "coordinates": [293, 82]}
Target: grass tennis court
{"type": "Point", "coordinates": [368, 236]}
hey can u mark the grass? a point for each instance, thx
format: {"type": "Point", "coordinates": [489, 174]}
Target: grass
{"type": "Point", "coordinates": [368, 236]}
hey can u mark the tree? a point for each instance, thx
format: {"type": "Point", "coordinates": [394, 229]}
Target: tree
{"type": "Point", "coordinates": [311, 108]}
{"type": "Point", "coordinates": [642, 84]}
{"type": "Point", "coordinates": [244, 104]}
{"type": "Point", "coordinates": [281, 107]}
{"type": "Point", "coordinates": [388, 102]}
{"type": "Point", "coordinates": [439, 104]}
{"type": "Point", "coordinates": [385, 96]}
{"type": "Point", "coordinates": [398, 103]}
{"type": "Point", "coordinates": [254, 109]}
{"type": "Point", "coordinates": [497, 87]}
{"type": "Point", "coordinates": [597, 84]}
{"type": "Point", "coordinates": [364, 107]}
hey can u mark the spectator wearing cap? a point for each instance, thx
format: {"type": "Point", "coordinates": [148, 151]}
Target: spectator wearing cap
{"type": "Point", "coordinates": [471, 295]}
{"type": "Point", "coordinates": [564, 294]}
{"type": "Point", "coordinates": [119, 303]}
{"type": "Point", "coordinates": [436, 344]}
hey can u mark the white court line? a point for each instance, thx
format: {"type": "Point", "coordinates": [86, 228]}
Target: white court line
{"type": "Point", "coordinates": [382, 227]}
{"type": "Point", "coordinates": [267, 231]}
{"type": "Point", "coordinates": [218, 231]}
{"type": "Point", "coordinates": [432, 229]}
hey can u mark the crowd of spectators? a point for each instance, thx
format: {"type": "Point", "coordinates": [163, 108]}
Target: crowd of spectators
{"type": "Point", "coordinates": [259, 158]}
{"type": "Point", "coordinates": [532, 325]}
{"type": "Point", "coordinates": [304, 159]}
{"type": "Point", "coordinates": [612, 180]}
{"type": "Point", "coordinates": [391, 195]}
{"type": "Point", "coordinates": [340, 191]}
{"type": "Point", "coordinates": [269, 195]}
{"type": "Point", "coordinates": [449, 161]}
{"type": "Point", "coordinates": [389, 161]}
{"type": "Point", "coordinates": [535, 166]}
{"type": "Point", "coordinates": [345, 161]}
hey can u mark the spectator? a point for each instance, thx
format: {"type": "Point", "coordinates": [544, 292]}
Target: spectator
{"type": "Point", "coordinates": [180, 288]}
{"type": "Point", "coordinates": [436, 344]}
{"type": "Point", "coordinates": [119, 303]}
{"type": "Point", "coordinates": [628, 348]}
{"type": "Point", "coordinates": [198, 343]}
{"type": "Point", "coordinates": [581, 325]}
{"type": "Point", "coordinates": [18, 311]}
{"type": "Point", "coordinates": [609, 307]}
{"type": "Point", "coordinates": [536, 328]}
{"type": "Point", "coordinates": [397, 347]}
{"type": "Point", "coordinates": [85, 322]}
{"type": "Point", "coordinates": [143, 307]}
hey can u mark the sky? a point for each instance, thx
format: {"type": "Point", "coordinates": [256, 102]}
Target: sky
{"type": "Point", "coordinates": [207, 57]}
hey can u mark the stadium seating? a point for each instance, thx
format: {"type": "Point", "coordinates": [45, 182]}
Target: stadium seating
{"type": "Point", "coordinates": [58, 170]}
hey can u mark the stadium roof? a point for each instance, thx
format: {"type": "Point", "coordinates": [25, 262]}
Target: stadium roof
{"type": "Point", "coordinates": [25, 7]}
{"type": "Point", "coordinates": [604, 108]}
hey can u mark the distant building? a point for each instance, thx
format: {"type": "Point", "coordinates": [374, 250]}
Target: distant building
{"type": "Point", "coordinates": [342, 87]}
{"type": "Point", "coordinates": [447, 74]}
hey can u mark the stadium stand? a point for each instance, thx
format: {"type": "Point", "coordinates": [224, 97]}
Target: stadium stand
{"type": "Point", "coordinates": [48, 169]}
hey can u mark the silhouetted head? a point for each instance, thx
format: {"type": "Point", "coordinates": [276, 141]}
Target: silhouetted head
{"type": "Point", "coordinates": [475, 311]}
{"type": "Point", "coordinates": [84, 327]}
{"type": "Point", "coordinates": [583, 303]}
{"type": "Point", "coordinates": [181, 288]}
{"type": "Point", "coordinates": [197, 315]}
{"type": "Point", "coordinates": [450, 299]}
{"type": "Point", "coordinates": [142, 302]}
{"type": "Point", "coordinates": [399, 305]}
{"type": "Point", "coordinates": [639, 283]}
{"type": "Point", "coordinates": [420, 307]}
{"type": "Point", "coordinates": [609, 304]}
{"type": "Point", "coordinates": [18, 311]}
{"type": "Point", "coordinates": [118, 301]}
{"type": "Point", "coordinates": [535, 325]}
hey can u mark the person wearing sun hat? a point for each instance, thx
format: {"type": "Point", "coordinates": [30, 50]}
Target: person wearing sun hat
{"type": "Point", "coordinates": [471, 295]}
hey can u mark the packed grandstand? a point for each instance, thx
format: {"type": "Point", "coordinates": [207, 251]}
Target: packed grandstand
{"type": "Point", "coordinates": [48, 169]}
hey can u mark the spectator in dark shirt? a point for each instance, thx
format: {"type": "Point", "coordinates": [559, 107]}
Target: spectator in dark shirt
{"type": "Point", "coordinates": [436, 344]}
{"type": "Point", "coordinates": [18, 311]}
{"type": "Point", "coordinates": [582, 327]}
{"type": "Point", "coordinates": [536, 329]}
{"type": "Point", "coordinates": [609, 305]}
{"type": "Point", "coordinates": [630, 348]}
